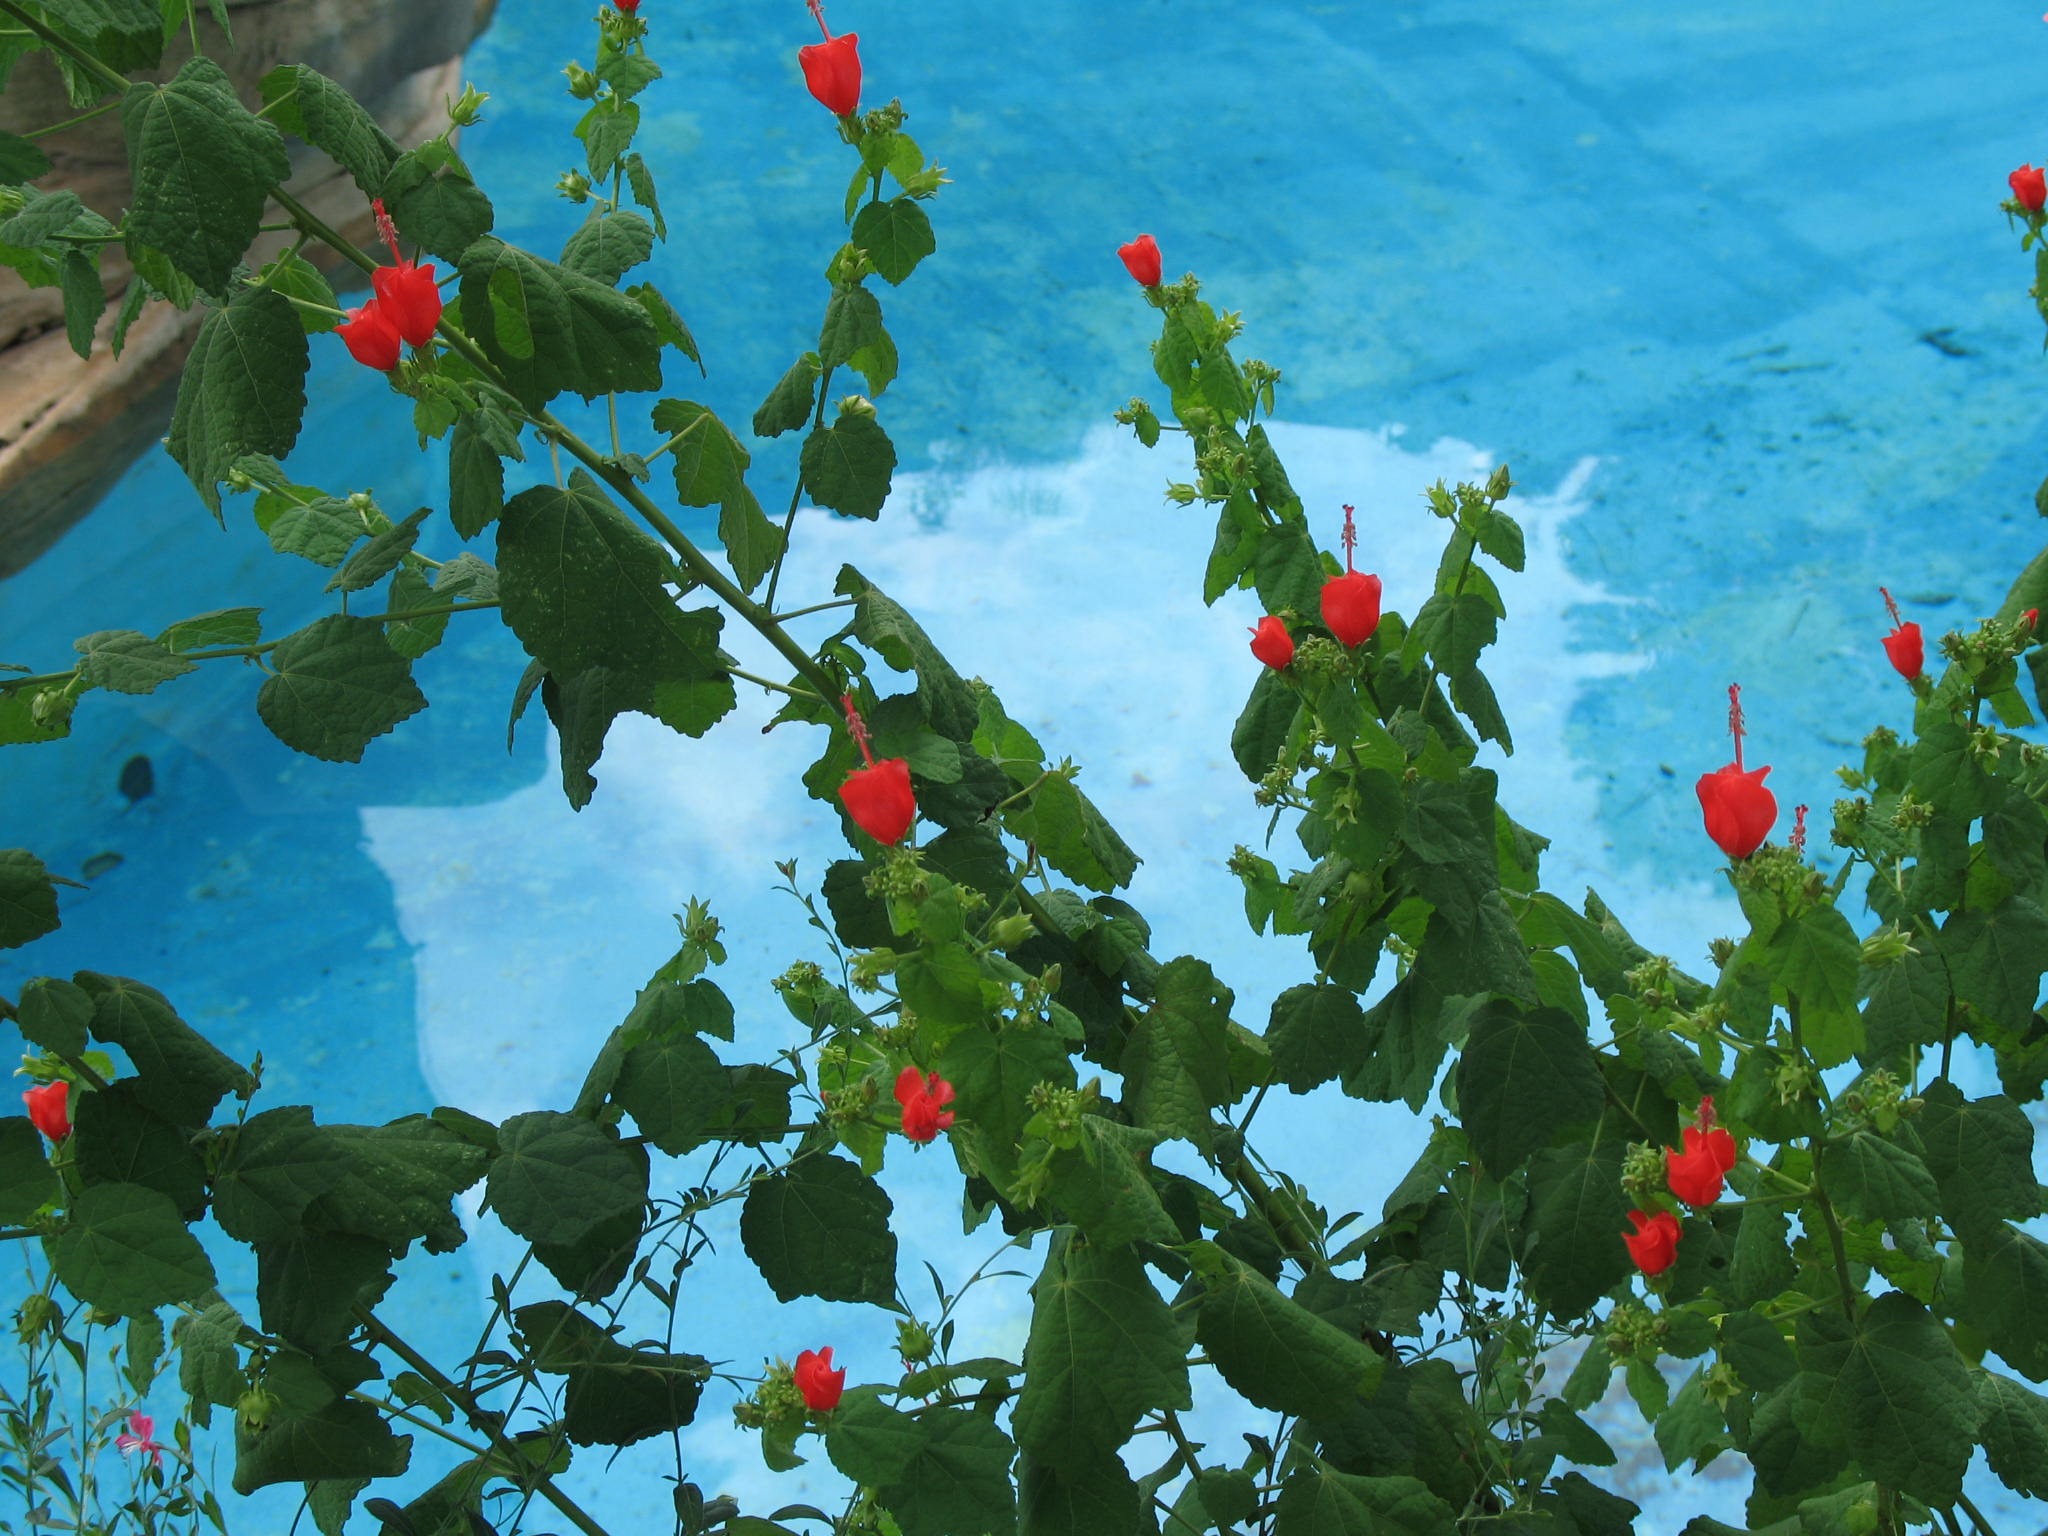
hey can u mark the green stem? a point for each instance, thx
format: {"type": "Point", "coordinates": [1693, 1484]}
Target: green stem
{"type": "Point", "coordinates": [59, 43]}
{"type": "Point", "coordinates": [797, 613]}
{"type": "Point", "coordinates": [430, 1425]}
{"type": "Point", "coordinates": [1834, 1226]}
{"type": "Point", "coordinates": [479, 1419]}
{"type": "Point", "coordinates": [277, 269]}
{"type": "Point", "coordinates": [762, 682]}
{"type": "Point", "coordinates": [1976, 1515]}
{"type": "Point", "coordinates": [70, 122]}
{"type": "Point", "coordinates": [796, 495]}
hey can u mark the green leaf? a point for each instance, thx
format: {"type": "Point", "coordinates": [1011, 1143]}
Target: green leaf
{"type": "Point", "coordinates": [434, 203]}
{"type": "Point", "coordinates": [297, 278]}
{"type": "Point", "coordinates": [345, 1439]}
{"type": "Point", "coordinates": [1571, 1249]}
{"type": "Point", "coordinates": [127, 34]}
{"type": "Point", "coordinates": [1096, 1499]}
{"type": "Point", "coordinates": [993, 1072]}
{"type": "Point", "coordinates": [1104, 1186]}
{"type": "Point", "coordinates": [606, 130]}
{"type": "Point", "coordinates": [305, 523]}
{"type": "Point", "coordinates": [302, 101]}
{"type": "Point", "coordinates": [54, 1014]}
{"type": "Point", "coordinates": [896, 235]}
{"type": "Point", "coordinates": [556, 1176]}
{"type": "Point", "coordinates": [708, 461]}
{"type": "Point", "coordinates": [1996, 958]}
{"type": "Point", "coordinates": [1818, 961]}
{"type": "Point", "coordinates": [277, 1164]}
{"type": "Point", "coordinates": [179, 1073]}
{"type": "Point", "coordinates": [752, 543]}
{"type": "Point", "coordinates": [668, 325]}
{"type": "Point", "coordinates": [2015, 1433]}
{"type": "Point", "coordinates": [1321, 1502]}
{"type": "Point", "coordinates": [550, 328]}
{"type": "Point", "coordinates": [883, 625]}
{"type": "Point", "coordinates": [223, 626]}
{"type": "Point", "coordinates": [1981, 1153]}
{"type": "Point", "coordinates": [1874, 1179]}
{"type": "Point", "coordinates": [1317, 1034]}
{"type": "Point", "coordinates": [1091, 1305]}
{"type": "Point", "coordinates": [1176, 1061]}
{"type": "Point", "coordinates": [207, 1360]}
{"type": "Point", "coordinates": [335, 687]}
{"type": "Point", "coordinates": [381, 556]}
{"type": "Point", "coordinates": [400, 1184]}
{"type": "Point", "coordinates": [582, 706]}
{"type": "Point", "coordinates": [641, 180]}
{"type": "Point", "coordinates": [1526, 1076]}
{"type": "Point", "coordinates": [85, 300]}
{"type": "Point", "coordinates": [672, 1086]}
{"type": "Point", "coordinates": [940, 1471]}
{"type": "Point", "coordinates": [121, 1141]}
{"type": "Point", "coordinates": [21, 161]}
{"type": "Point", "coordinates": [243, 390]}
{"type": "Point", "coordinates": [614, 1395]}
{"type": "Point", "coordinates": [201, 167]}
{"type": "Point", "coordinates": [27, 1182]}
{"type": "Point", "coordinates": [476, 480]}
{"type": "Point", "coordinates": [1454, 630]}
{"type": "Point", "coordinates": [1891, 1390]}
{"type": "Point", "coordinates": [848, 465]}
{"type": "Point", "coordinates": [1073, 837]}
{"type": "Point", "coordinates": [790, 403]}
{"type": "Point", "coordinates": [607, 246]}
{"type": "Point", "coordinates": [819, 1226]}
{"type": "Point", "coordinates": [124, 1248]}
{"type": "Point", "coordinates": [309, 1285]}
{"type": "Point", "coordinates": [2005, 1295]}
{"type": "Point", "coordinates": [1265, 725]}
{"type": "Point", "coordinates": [853, 324]}
{"type": "Point", "coordinates": [28, 898]}
{"type": "Point", "coordinates": [1272, 1350]}
{"type": "Point", "coordinates": [583, 587]}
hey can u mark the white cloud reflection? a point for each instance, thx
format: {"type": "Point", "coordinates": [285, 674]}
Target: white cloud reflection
{"type": "Point", "coordinates": [1076, 591]}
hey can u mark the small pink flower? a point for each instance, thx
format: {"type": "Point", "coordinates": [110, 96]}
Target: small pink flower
{"type": "Point", "coordinates": [140, 1436]}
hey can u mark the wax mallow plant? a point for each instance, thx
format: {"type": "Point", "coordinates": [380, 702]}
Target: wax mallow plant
{"type": "Point", "coordinates": [1857, 1323]}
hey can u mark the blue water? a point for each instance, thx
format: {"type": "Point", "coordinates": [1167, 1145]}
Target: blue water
{"type": "Point", "coordinates": [1680, 268]}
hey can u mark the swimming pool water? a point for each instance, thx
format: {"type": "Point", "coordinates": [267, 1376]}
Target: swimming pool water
{"type": "Point", "coordinates": [1729, 290]}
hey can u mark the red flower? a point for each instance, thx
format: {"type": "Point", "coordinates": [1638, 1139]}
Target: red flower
{"type": "Point", "coordinates": [877, 797]}
{"type": "Point", "coordinates": [628, 6]}
{"type": "Point", "coordinates": [370, 336]}
{"type": "Point", "coordinates": [1351, 602]}
{"type": "Point", "coordinates": [832, 68]}
{"type": "Point", "coordinates": [819, 1383]}
{"type": "Point", "coordinates": [1696, 1174]}
{"type": "Point", "coordinates": [1654, 1243]}
{"type": "Point", "coordinates": [1738, 810]}
{"type": "Point", "coordinates": [2029, 187]}
{"type": "Point", "coordinates": [47, 1109]}
{"type": "Point", "coordinates": [1141, 259]}
{"type": "Point", "coordinates": [140, 1436]}
{"type": "Point", "coordinates": [1903, 645]}
{"type": "Point", "coordinates": [1272, 644]}
{"type": "Point", "coordinates": [406, 294]}
{"type": "Point", "coordinates": [2031, 618]}
{"type": "Point", "coordinates": [923, 1096]}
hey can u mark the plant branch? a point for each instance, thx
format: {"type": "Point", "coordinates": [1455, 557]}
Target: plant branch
{"type": "Point", "coordinates": [114, 80]}
{"type": "Point", "coordinates": [479, 1419]}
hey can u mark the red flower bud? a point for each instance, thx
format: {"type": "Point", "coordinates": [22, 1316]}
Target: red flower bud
{"type": "Point", "coordinates": [879, 799]}
{"type": "Point", "coordinates": [409, 297]}
{"type": "Point", "coordinates": [2029, 187]}
{"type": "Point", "coordinates": [1272, 644]}
{"type": "Point", "coordinates": [2031, 618]}
{"type": "Point", "coordinates": [1351, 606]}
{"type": "Point", "coordinates": [832, 71]}
{"type": "Point", "coordinates": [1903, 644]}
{"type": "Point", "coordinates": [1141, 259]}
{"type": "Point", "coordinates": [628, 6]}
{"type": "Point", "coordinates": [47, 1109]}
{"type": "Point", "coordinates": [1739, 812]}
{"type": "Point", "coordinates": [815, 1378]}
{"type": "Point", "coordinates": [923, 1097]}
{"type": "Point", "coordinates": [1654, 1243]}
{"type": "Point", "coordinates": [371, 338]}
{"type": "Point", "coordinates": [1696, 1174]}
{"type": "Point", "coordinates": [1351, 602]}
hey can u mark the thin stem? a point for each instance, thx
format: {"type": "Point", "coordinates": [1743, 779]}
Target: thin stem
{"type": "Point", "coordinates": [70, 122]}
{"type": "Point", "coordinates": [1976, 1515]}
{"type": "Point", "coordinates": [1834, 1226]}
{"type": "Point", "coordinates": [431, 1425]}
{"type": "Point", "coordinates": [277, 266]}
{"type": "Point", "coordinates": [796, 494]}
{"type": "Point", "coordinates": [797, 613]}
{"type": "Point", "coordinates": [762, 682]}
